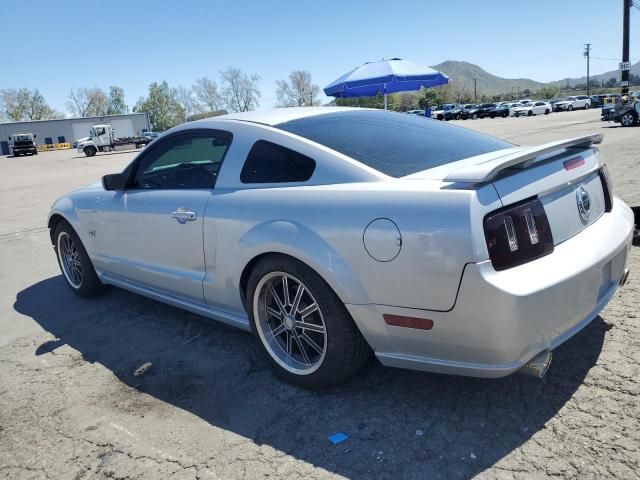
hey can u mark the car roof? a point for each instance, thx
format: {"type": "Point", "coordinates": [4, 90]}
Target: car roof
{"type": "Point", "coordinates": [278, 115]}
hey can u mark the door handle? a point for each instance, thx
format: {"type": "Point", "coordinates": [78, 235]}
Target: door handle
{"type": "Point", "coordinates": [183, 215]}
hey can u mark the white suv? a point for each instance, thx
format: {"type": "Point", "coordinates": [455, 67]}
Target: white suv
{"type": "Point", "coordinates": [574, 103]}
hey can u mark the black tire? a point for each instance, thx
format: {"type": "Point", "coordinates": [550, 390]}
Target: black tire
{"type": "Point", "coordinates": [89, 285]}
{"type": "Point", "coordinates": [505, 115]}
{"type": "Point", "coordinates": [530, 113]}
{"type": "Point", "coordinates": [90, 151]}
{"type": "Point", "coordinates": [474, 116]}
{"type": "Point", "coordinates": [458, 117]}
{"type": "Point", "coordinates": [547, 112]}
{"type": "Point", "coordinates": [35, 153]}
{"type": "Point", "coordinates": [15, 155]}
{"type": "Point", "coordinates": [346, 349]}
{"type": "Point", "coordinates": [570, 108]}
{"type": "Point", "coordinates": [586, 106]}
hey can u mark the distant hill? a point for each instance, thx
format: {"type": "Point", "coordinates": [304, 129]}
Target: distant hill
{"type": "Point", "coordinates": [463, 73]}
{"type": "Point", "coordinates": [635, 69]}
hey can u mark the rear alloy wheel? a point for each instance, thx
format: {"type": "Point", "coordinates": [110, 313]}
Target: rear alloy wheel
{"type": "Point", "coordinates": [474, 116]}
{"type": "Point", "coordinates": [309, 336]}
{"type": "Point", "coordinates": [546, 112]}
{"type": "Point", "coordinates": [570, 108]}
{"type": "Point", "coordinates": [74, 262]}
{"type": "Point", "coordinates": [530, 113]}
{"type": "Point", "coordinates": [586, 106]}
{"type": "Point", "coordinates": [627, 119]}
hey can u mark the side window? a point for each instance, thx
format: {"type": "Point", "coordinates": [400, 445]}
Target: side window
{"type": "Point", "coordinates": [183, 162]}
{"type": "Point", "coordinates": [100, 131]}
{"type": "Point", "coordinates": [271, 163]}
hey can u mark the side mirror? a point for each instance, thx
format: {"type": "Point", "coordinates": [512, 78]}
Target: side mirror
{"type": "Point", "coordinates": [115, 181]}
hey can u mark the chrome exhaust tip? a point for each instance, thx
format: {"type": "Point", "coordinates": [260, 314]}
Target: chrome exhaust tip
{"type": "Point", "coordinates": [624, 277]}
{"type": "Point", "coordinates": [538, 365]}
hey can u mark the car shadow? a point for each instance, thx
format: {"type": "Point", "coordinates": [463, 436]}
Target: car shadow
{"type": "Point", "coordinates": [401, 424]}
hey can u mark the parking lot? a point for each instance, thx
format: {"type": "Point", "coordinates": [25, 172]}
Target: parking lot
{"type": "Point", "coordinates": [71, 406]}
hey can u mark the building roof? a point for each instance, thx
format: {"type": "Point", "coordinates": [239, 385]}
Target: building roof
{"type": "Point", "coordinates": [280, 115]}
{"type": "Point", "coordinates": [75, 118]}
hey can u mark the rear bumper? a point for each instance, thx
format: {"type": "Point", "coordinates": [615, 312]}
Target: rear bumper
{"type": "Point", "coordinates": [503, 319]}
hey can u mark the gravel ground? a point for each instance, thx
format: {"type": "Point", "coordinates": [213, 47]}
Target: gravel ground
{"type": "Point", "coordinates": [71, 406]}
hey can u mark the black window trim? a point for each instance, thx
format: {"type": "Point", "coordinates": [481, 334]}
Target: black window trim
{"type": "Point", "coordinates": [133, 167]}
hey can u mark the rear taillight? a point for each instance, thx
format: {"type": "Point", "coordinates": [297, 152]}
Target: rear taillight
{"type": "Point", "coordinates": [517, 234]}
{"type": "Point", "coordinates": [607, 188]}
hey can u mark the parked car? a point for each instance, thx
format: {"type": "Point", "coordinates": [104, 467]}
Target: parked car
{"type": "Point", "coordinates": [330, 234]}
{"type": "Point", "coordinates": [626, 114]}
{"type": "Point", "coordinates": [469, 111]}
{"type": "Point", "coordinates": [420, 113]}
{"type": "Point", "coordinates": [514, 106]}
{"type": "Point", "coordinates": [484, 109]}
{"type": "Point", "coordinates": [607, 112]}
{"type": "Point", "coordinates": [534, 108]}
{"type": "Point", "coordinates": [574, 103]}
{"type": "Point", "coordinates": [454, 113]}
{"type": "Point", "coordinates": [439, 111]}
{"type": "Point", "coordinates": [501, 110]}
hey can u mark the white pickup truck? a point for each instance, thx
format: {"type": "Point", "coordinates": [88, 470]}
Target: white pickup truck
{"type": "Point", "coordinates": [102, 138]}
{"type": "Point", "coordinates": [573, 103]}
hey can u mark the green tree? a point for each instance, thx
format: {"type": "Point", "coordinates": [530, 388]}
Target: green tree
{"type": "Point", "coordinates": [24, 104]}
{"type": "Point", "coordinates": [548, 92]}
{"type": "Point", "coordinates": [429, 98]}
{"type": "Point", "coordinates": [116, 104]}
{"type": "Point", "coordinates": [162, 106]}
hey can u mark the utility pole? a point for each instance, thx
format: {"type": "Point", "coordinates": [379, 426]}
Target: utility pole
{"type": "Point", "coordinates": [587, 51]}
{"type": "Point", "coordinates": [624, 66]}
{"type": "Point", "coordinates": [475, 90]}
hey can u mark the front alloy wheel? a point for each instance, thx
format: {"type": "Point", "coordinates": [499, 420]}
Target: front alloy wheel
{"type": "Point", "coordinates": [74, 261]}
{"type": "Point", "coordinates": [69, 258]}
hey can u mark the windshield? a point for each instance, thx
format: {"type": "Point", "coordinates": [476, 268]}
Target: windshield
{"type": "Point", "coordinates": [394, 144]}
{"type": "Point", "coordinates": [22, 138]}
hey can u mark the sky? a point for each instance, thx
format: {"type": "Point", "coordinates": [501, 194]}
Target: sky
{"type": "Point", "coordinates": [69, 44]}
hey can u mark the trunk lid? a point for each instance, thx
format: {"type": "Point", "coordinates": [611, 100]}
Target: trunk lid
{"type": "Point", "coordinates": [569, 186]}
{"type": "Point", "coordinates": [564, 175]}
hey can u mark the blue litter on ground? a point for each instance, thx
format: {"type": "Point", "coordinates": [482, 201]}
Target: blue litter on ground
{"type": "Point", "coordinates": [338, 437]}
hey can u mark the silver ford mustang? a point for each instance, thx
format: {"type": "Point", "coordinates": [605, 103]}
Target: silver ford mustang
{"type": "Point", "coordinates": [334, 232]}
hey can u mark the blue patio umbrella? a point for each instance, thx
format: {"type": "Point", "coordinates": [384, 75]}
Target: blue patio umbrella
{"type": "Point", "coordinates": [385, 76]}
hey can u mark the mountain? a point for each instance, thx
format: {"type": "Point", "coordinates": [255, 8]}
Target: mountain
{"type": "Point", "coordinates": [463, 73]}
{"type": "Point", "coordinates": [635, 70]}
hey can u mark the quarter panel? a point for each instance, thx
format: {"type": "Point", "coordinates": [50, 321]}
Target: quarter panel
{"type": "Point", "coordinates": [323, 226]}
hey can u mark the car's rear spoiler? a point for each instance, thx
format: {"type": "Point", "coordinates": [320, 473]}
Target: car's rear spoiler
{"type": "Point", "coordinates": [486, 171]}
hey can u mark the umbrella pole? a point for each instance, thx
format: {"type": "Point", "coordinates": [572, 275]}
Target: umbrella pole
{"type": "Point", "coordinates": [385, 96]}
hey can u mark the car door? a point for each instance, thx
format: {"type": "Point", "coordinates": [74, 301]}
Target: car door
{"type": "Point", "coordinates": [151, 233]}
{"type": "Point", "coordinates": [538, 108]}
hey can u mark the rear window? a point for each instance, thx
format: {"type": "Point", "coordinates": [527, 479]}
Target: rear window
{"type": "Point", "coordinates": [393, 143]}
